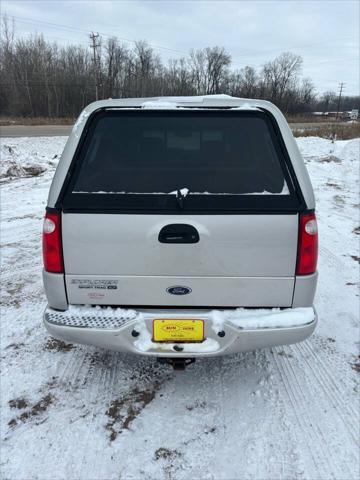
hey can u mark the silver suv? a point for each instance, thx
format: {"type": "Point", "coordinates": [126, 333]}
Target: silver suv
{"type": "Point", "coordinates": [180, 227]}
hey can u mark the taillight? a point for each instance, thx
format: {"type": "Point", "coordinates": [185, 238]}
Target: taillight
{"type": "Point", "coordinates": [307, 244]}
{"type": "Point", "coordinates": [52, 248]}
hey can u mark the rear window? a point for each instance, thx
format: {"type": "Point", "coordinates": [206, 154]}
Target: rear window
{"type": "Point", "coordinates": [132, 159]}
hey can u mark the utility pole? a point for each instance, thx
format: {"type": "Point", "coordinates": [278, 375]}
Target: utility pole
{"type": "Point", "coordinates": [341, 88]}
{"type": "Point", "coordinates": [95, 45]}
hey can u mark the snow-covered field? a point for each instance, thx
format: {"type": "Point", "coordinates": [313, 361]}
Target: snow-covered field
{"type": "Point", "coordinates": [75, 412]}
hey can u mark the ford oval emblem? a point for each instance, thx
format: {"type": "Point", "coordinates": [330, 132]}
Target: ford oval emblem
{"type": "Point", "coordinates": [179, 290]}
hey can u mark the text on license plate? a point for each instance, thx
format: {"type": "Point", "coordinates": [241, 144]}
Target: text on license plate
{"type": "Point", "coordinates": [178, 330]}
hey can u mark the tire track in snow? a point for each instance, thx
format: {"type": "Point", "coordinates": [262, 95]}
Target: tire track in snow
{"type": "Point", "coordinates": [105, 382]}
{"type": "Point", "coordinates": [312, 418]}
{"type": "Point", "coordinates": [114, 378]}
{"type": "Point", "coordinates": [54, 421]}
{"type": "Point", "coordinates": [289, 457]}
{"type": "Point", "coordinates": [331, 258]}
{"type": "Point", "coordinates": [324, 379]}
{"type": "Point", "coordinates": [315, 452]}
{"type": "Point", "coordinates": [255, 415]}
{"type": "Point", "coordinates": [81, 376]}
{"type": "Point", "coordinates": [287, 462]}
{"type": "Point", "coordinates": [204, 409]}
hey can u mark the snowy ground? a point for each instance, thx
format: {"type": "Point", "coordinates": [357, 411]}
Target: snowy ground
{"type": "Point", "coordinates": [75, 412]}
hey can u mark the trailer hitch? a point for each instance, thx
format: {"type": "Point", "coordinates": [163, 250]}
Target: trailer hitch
{"type": "Point", "coordinates": [178, 364]}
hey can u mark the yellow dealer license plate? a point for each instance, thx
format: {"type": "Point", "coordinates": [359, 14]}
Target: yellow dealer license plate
{"type": "Point", "coordinates": [178, 330]}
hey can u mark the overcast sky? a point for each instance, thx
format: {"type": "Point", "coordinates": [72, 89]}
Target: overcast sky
{"type": "Point", "coordinates": [325, 33]}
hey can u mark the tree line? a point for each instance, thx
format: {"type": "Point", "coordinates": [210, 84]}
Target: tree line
{"type": "Point", "coordinates": [42, 78]}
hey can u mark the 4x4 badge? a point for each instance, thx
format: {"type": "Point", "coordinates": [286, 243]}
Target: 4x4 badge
{"type": "Point", "coordinates": [178, 290]}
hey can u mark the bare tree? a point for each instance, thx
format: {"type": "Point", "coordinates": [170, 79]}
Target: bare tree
{"type": "Point", "coordinates": [41, 78]}
{"type": "Point", "coordinates": [209, 69]}
{"type": "Point", "coordinates": [198, 70]}
{"type": "Point", "coordinates": [281, 75]}
{"type": "Point", "coordinates": [178, 78]}
{"type": "Point", "coordinates": [146, 64]}
{"type": "Point", "coordinates": [115, 59]}
{"type": "Point", "coordinates": [217, 63]}
{"type": "Point", "coordinates": [244, 83]}
{"type": "Point", "coordinates": [328, 100]}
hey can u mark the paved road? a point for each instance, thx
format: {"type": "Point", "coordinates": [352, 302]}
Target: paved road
{"type": "Point", "coordinates": [296, 126]}
{"type": "Point", "coordinates": [64, 130]}
{"type": "Point", "coordinates": [35, 130]}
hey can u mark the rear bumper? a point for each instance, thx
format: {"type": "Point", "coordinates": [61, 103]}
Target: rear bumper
{"type": "Point", "coordinates": [245, 329]}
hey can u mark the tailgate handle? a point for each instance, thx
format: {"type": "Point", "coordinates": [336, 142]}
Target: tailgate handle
{"type": "Point", "coordinates": [178, 233]}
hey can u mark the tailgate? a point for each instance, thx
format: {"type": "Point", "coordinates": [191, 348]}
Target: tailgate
{"type": "Point", "coordinates": [239, 260]}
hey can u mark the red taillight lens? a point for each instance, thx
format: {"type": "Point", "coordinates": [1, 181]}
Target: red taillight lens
{"type": "Point", "coordinates": [52, 248]}
{"type": "Point", "coordinates": [307, 245]}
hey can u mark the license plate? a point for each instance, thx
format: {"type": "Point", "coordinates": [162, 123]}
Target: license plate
{"type": "Point", "coordinates": [178, 330]}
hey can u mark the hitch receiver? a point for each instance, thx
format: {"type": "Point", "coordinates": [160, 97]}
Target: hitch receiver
{"type": "Point", "coordinates": [178, 364]}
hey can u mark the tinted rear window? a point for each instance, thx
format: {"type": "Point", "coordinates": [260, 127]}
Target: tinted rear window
{"type": "Point", "coordinates": [213, 154]}
{"type": "Point", "coordinates": [137, 160]}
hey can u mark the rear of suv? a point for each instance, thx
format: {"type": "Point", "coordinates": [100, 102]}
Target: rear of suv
{"type": "Point", "coordinates": [180, 227]}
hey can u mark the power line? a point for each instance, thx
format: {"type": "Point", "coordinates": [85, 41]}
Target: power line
{"type": "Point", "coordinates": [250, 52]}
{"type": "Point", "coordinates": [76, 29]}
{"type": "Point", "coordinates": [156, 46]}
{"type": "Point", "coordinates": [48, 36]}
{"type": "Point", "coordinates": [59, 26]}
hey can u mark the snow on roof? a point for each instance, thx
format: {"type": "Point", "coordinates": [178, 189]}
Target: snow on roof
{"type": "Point", "coordinates": [219, 101]}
